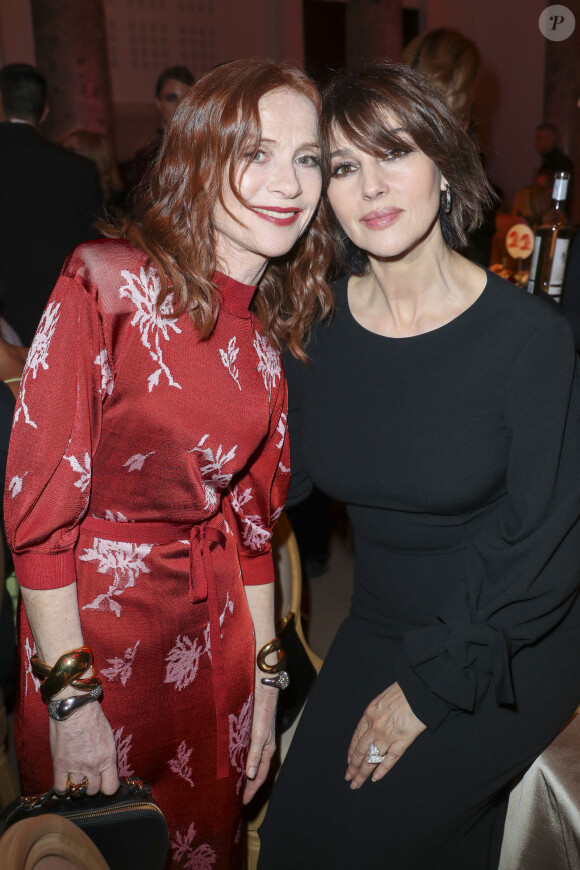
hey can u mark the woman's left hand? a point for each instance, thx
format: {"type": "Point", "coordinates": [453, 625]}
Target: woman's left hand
{"type": "Point", "coordinates": [391, 725]}
{"type": "Point", "coordinates": [263, 742]}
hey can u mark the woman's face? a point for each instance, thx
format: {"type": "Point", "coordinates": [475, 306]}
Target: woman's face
{"type": "Point", "coordinates": [385, 205]}
{"type": "Point", "coordinates": [281, 186]}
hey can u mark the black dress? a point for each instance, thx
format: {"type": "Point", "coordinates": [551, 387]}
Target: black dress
{"type": "Point", "coordinates": [458, 455]}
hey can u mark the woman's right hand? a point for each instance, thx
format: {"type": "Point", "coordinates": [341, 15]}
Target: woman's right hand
{"type": "Point", "coordinates": [84, 745]}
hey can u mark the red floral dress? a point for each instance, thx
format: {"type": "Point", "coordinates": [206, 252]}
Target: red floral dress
{"type": "Point", "coordinates": [149, 466]}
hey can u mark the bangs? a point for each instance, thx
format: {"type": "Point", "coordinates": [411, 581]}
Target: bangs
{"type": "Point", "coordinates": [367, 125]}
{"type": "Point", "coordinates": [389, 106]}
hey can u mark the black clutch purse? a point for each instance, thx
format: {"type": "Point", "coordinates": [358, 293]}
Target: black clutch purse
{"type": "Point", "coordinates": [302, 674]}
{"type": "Point", "coordinates": [128, 827]}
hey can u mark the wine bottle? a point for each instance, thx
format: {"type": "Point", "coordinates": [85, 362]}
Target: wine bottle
{"type": "Point", "coordinates": [551, 244]}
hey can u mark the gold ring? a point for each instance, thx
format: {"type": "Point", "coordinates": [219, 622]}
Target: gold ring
{"type": "Point", "coordinates": [77, 789]}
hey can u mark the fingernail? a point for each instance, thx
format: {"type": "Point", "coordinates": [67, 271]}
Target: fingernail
{"type": "Point", "coordinates": [348, 777]}
{"type": "Point", "coordinates": [353, 785]}
{"type": "Point", "coordinates": [251, 772]}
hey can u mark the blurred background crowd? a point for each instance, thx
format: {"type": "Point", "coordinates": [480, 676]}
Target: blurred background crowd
{"type": "Point", "coordinates": [88, 88]}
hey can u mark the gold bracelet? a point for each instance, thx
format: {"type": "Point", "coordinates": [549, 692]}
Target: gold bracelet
{"type": "Point", "coordinates": [278, 675]}
{"type": "Point", "coordinates": [66, 672]}
{"type": "Point", "coordinates": [274, 646]}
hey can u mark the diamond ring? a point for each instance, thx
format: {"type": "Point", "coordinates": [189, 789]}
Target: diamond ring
{"type": "Point", "coordinates": [374, 756]}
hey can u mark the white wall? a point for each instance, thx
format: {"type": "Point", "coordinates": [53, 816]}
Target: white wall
{"type": "Point", "coordinates": [510, 92]}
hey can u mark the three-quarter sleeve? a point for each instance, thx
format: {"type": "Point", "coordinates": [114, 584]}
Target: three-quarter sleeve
{"type": "Point", "coordinates": [256, 497]}
{"type": "Point", "coordinates": [522, 574]}
{"type": "Point", "coordinates": [55, 433]}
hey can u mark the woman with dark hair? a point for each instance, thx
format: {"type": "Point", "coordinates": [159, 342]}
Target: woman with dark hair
{"type": "Point", "coordinates": [149, 462]}
{"type": "Point", "coordinates": [442, 405]}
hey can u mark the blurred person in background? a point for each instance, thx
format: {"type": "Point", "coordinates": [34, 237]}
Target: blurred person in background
{"type": "Point", "coordinates": [547, 146]}
{"type": "Point", "coordinates": [452, 61]}
{"type": "Point", "coordinates": [531, 203]}
{"type": "Point", "coordinates": [171, 87]}
{"type": "Point", "coordinates": [49, 200]}
{"type": "Point", "coordinates": [98, 148]}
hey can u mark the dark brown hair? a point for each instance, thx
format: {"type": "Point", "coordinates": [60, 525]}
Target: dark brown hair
{"type": "Point", "coordinates": [215, 128]}
{"type": "Point", "coordinates": [363, 106]}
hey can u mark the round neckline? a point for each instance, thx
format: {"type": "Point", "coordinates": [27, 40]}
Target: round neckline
{"type": "Point", "coordinates": [235, 297]}
{"type": "Point", "coordinates": [464, 315]}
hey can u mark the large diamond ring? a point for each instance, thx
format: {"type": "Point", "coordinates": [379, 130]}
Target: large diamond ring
{"type": "Point", "coordinates": [77, 789]}
{"type": "Point", "coordinates": [374, 756]}
{"type": "Point", "coordinates": [280, 680]}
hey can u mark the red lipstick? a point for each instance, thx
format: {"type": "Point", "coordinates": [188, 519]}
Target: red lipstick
{"type": "Point", "coordinates": [281, 217]}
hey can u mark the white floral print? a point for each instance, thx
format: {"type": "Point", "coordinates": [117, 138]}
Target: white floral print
{"type": "Point", "coordinates": [37, 357]}
{"type": "Point", "coordinates": [121, 667]}
{"type": "Point", "coordinates": [135, 463]}
{"type": "Point", "coordinates": [269, 364]}
{"type": "Point", "coordinates": [30, 651]}
{"type": "Point", "coordinates": [183, 662]}
{"type": "Point", "coordinates": [228, 608]}
{"type": "Point", "coordinates": [184, 657]}
{"type": "Point", "coordinates": [214, 478]}
{"type": "Point", "coordinates": [15, 485]}
{"type": "Point", "coordinates": [143, 291]}
{"type": "Point", "coordinates": [121, 560]}
{"type": "Point", "coordinates": [180, 764]}
{"type": "Point", "coordinates": [83, 470]}
{"type": "Point", "coordinates": [115, 518]}
{"type": "Point", "coordinates": [229, 357]}
{"type": "Point", "coordinates": [201, 858]}
{"type": "Point", "coordinates": [123, 745]}
{"type": "Point", "coordinates": [107, 383]}
{"type": "Point", "coordinates": [281, 430]}
{"type": "Point", "coordinates": [254, 533]}
{"type": "Point", "coordinates": [240, 730]}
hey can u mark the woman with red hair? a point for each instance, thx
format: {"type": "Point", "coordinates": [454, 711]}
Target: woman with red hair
{"type": "Point", "coordinates": [149, 462]}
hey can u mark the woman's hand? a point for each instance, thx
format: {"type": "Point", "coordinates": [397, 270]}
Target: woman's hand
{"type": "Point", "coordinates": [262, 743]}
{"type": "Point", "coordinates": [391, 725]}
{"type": "Point", "coordinates": [83, 745]}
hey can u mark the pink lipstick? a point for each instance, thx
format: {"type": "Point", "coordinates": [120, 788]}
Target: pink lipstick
{"type": "Point", "coordinates": [381, 218]}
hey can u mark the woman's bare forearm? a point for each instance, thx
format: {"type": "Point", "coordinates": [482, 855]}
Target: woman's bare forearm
{"type": "Point", "coordinates": [261, 604]}
{"type": "Point", "coordinates": [54, 618]}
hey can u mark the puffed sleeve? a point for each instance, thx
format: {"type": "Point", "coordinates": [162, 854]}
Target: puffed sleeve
{"type": "Point", "coordinates": [522, 576]}
{"type": "Point", "coordinates": [55, 433]}
{"type": "Point", "coordinates": [256, 498]}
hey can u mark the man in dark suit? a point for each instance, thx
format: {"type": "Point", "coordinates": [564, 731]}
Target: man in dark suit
{"type": "Point", "coordinates": [49, 199]}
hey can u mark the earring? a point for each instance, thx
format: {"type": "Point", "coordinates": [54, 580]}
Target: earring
{"type": "Point", "coordinates": [447, 208]}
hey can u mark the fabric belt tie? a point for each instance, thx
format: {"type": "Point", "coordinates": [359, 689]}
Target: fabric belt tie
{"type": "Point", "coordinates": [203, 538]}
{"type": "Point", "coordinates": [202, 587]}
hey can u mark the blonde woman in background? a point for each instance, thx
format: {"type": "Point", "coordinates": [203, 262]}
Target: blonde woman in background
{"type": "Point", "coordinates": [452, 62]}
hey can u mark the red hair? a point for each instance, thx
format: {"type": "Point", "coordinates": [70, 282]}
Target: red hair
{"type": "Point", "coordinates": [215, 127]}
